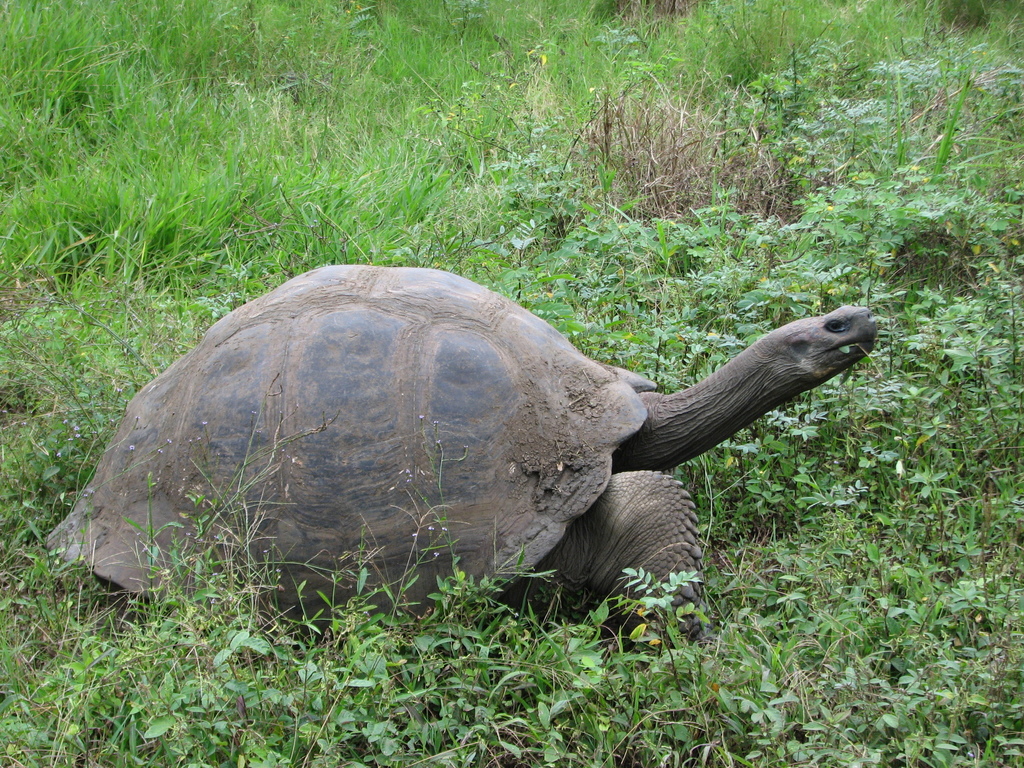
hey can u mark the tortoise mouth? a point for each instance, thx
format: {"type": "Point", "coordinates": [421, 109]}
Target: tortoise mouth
{"type": "Point", "coordinates": [860, 332]}
{"type": "Point", "coordinates": [865, 344]}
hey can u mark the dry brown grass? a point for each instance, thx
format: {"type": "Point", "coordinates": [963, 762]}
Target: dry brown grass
{"type": "Point", "coordinates": [657, 7]}
{"type": "Point", "coordinates": [669, 158]}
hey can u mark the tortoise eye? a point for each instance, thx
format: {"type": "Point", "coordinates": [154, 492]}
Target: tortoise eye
{"type": "Point", "coordinates": [837, 326]}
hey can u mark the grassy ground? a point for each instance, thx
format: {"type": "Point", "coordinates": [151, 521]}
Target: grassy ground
{"type": "Point", "coordinates": [661, 189]}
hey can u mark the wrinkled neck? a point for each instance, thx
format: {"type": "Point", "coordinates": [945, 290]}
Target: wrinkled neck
{"type": "Point", "coordinates": [688, 423]}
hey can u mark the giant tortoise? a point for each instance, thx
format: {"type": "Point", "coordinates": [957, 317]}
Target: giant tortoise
{"type": "Point", "coordinates": [367, 427]}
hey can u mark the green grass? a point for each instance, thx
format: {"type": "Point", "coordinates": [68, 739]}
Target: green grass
{"type": "Point", "coordinates": [164, 162]}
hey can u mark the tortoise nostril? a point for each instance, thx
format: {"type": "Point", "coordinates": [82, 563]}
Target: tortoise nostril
{"type": "Point", "coordinates": [837, 326]}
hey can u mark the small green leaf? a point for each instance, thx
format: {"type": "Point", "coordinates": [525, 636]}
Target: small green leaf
{"type": "Point", "coordinates": [510, 748]}
{"type": "Point", "coordinates": [159, 727]}
{"type": "Point", "coordinates": [873, 553]}
{"type": "Point", "coordinates": [600, 613]}
{"type": "Point", "coordinates": [889, 719]}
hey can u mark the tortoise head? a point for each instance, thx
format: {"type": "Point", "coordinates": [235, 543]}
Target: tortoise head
{"type": "Point", "coordinates": [809, 351]}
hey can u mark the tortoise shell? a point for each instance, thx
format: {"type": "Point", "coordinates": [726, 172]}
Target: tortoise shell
{"type": "Point", "coordinates": [388, 419]}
